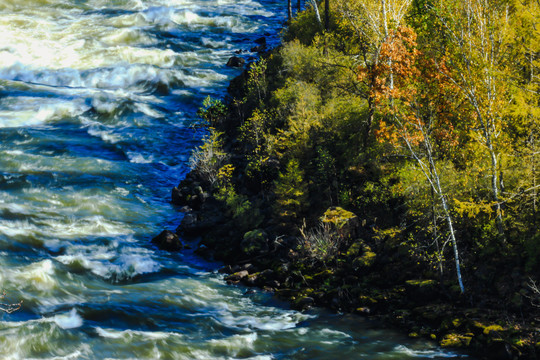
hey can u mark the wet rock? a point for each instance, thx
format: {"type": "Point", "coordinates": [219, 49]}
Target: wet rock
{"type": "Point", "coordinates": [267, 275]}
{"type": "Point", "coordinates": [177, 197]}
{"type": "Point", "coordinates": [192, 225]}
{"type": "Point", "coordinates": [249, 267]}
{"type": "Point", "coordinates": [252, 280]}
{"type": "Point", "coordinates": [227, 269]}
{"type": "Point", "coordinates": [261, 41]}
{"type": "Point", "coordinates": [203, 251]}
{"type": "Point", "coordinates": [167, 240]}
{"type": "Point", "coordinates": [304, 302]}
{"type": "Point", "coordinates": [258, 48]}
{"type": "Point", "coordinates": [236, 61]}
{"type": "Point", "coordinates": [237, 276]}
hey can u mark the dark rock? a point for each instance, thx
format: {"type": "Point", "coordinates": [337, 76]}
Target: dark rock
{"type": "Point", "coordinates": [252, 280]}
{"type": "Point", "coordinates": [261, 41]}
{"type": "Point", "coordinates": [258, 48]}
{"type": "Point", "coordinates": [225, 270]}
{"type": "Point", "coordinates": [189, 219]}
{"type": "Point", "coordinates": [255, 242]}
{"type": "Point", "coordinates": [249, 267]}
{"type": "Point", "coordinates": [305, 302]}
{"type": "Point", "coordinates": [273, 284]}
{"type": "Point", "coordinates": [237, 276]}
{"type": "Point", "coordinates": [167, 240]}
{"type": "Point", "coordinates": [192, 225]}
{"type": "Point", "coordinates": [203, 251]}
{"type": "Point", "coordinates": [185, 209]}
{"type": "Point", "coordinates": [177, 197]}
{"type": "Point", "coordinates": [236, 61]}
{"type": "Point", "coordinates": [196, 202]}
{"type": "Point", "coordinates": [499, 350]}
{"type": "Point", "coordinates": [267, 275]}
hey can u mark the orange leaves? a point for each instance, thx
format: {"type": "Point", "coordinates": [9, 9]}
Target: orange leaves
{"type": "Point", "coordinates": [414, 98]}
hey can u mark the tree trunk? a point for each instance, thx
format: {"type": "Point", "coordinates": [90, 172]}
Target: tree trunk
{"type": "Point", "coordinates": [317, 14]}
{"type": "Point", "coordinates": [289, 9]}
{"type": "Point", "coordinates": [298, 6]}
{"type": "Point", "coordinates": [327, 15]}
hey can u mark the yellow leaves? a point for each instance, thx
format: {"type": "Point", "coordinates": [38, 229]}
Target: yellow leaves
{"type": "Point", "coordinates": [224, 176]}
{"type": "Point", "coordinates": [471, 209]}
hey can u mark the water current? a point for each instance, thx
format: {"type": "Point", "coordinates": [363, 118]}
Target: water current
{"type": "Point", "coordinates": [96, 102]}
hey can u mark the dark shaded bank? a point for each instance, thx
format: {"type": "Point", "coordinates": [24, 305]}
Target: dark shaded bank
{"type": "Point", "coordinates": [344, 265]}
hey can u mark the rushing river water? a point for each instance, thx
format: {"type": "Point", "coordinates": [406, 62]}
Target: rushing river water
{"type": "Point", "coordinates": [96, 99]}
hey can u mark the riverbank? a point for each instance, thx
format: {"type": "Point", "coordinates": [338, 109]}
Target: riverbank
{"type": "Point", "coordinates": [300, 189]}
{"type": "Point", "coordinates": [370, 277]}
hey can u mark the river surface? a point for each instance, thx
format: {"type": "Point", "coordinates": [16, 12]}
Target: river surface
{"type": "Point", "coordinates": [96, 102]}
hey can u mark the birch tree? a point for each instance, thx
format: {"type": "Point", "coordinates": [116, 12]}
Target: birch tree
{"type": "Point", "coordinates": [477, 56]}
{"type": "Point", "coordinates": [416, 112]}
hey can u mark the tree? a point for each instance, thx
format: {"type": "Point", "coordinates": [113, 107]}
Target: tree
{"type": "Point", "coordinates": [371, 22]}
{"type": "Point", "coordinates": [415, 108]}
{"type": "Point", "coordinates": [476, 55]}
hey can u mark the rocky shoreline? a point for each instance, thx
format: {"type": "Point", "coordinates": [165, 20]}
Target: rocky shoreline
{"type": "Point", "coordinates": [262, 259]}
{"type": "Point", "coordinates": [368, 274]}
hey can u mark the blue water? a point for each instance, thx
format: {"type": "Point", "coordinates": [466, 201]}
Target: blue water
{"type": "Point", "coordinates": [97, 99]}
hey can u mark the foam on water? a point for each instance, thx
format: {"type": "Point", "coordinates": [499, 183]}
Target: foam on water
{"type": "Point", "coordinates": [70, 320]}
{"type": "Point", "coordinates": [110, 262]}
{"type": "Point", "coordinates": [426, 354]}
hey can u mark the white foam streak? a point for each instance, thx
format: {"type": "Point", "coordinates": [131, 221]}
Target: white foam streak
{"type": "Point", "coordinates": [70, 320]}
{"type": "Point", "coordinates": [425, 354]}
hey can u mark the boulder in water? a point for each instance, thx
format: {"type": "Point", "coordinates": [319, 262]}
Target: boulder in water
{"type": "Point", "coordinates": [236, 61]}
{"type": "Point", "coordinates": [167, 240]}
{"type": "Point", "coordinates": [261, 41]}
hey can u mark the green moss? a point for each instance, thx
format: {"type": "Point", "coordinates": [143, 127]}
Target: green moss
{"type": "Point", "coordinates": [366, 300]}
{"type": "Point", "coordinates": [365, 261]}
{"type": "Point", "coordinates": [456, 340]}
{"type": "Point", "coordinates": [337, 216]}
{"type": "Point", "coordinates": [492, 328]}
{"type": "Point", "coordinates": [421, 283]}
{"type": "Point", "coordinates": [355, 249]}
{"type": "Point", "coordinates": [457, 322]}
{"type": "Point", "coordinates": [520, 342]}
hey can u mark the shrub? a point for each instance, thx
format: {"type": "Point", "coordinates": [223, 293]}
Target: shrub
{"type": "Point", "coordinates": [207, 159]}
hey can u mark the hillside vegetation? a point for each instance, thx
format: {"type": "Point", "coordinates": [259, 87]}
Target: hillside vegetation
{"type": "Point", "coordinates": [387, 165]}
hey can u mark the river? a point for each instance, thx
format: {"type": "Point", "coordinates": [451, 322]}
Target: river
{"type": "Point", "coordinates": [96, 102]}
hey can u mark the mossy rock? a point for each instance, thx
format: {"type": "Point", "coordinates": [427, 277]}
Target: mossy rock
{"type": "Point", "coordinates": [456, 340]}
{"type": "Point", "coordinates": [345, 222]}
{"type": "Point", "coordinates": [493, 328]}
{"type": "Point", "coordinates": [365, 261]}
{"type": "Point", "coordinates": [255, 242]}
{"type": "Point", "coordinates": [356, 249]}
{"type": "Point", "coordinates": [452, 323]}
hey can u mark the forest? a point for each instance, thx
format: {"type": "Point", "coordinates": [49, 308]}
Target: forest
{"type": "Point", "coordinates": [384, 160]}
